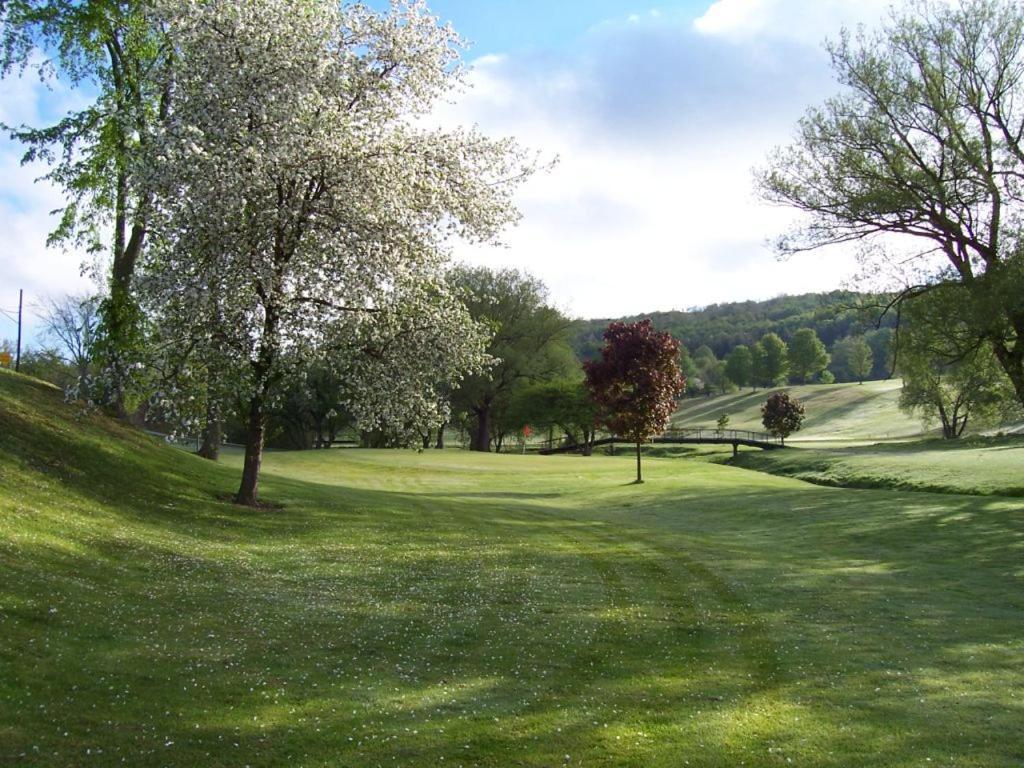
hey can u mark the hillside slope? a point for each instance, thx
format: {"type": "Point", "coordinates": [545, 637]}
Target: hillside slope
{"type": "Point", "coordinates": [721, 327]}
{"type": "Point", "coordinates": [841, 412]}
{"type": "Point", "coordinates": [969, 465]}
{"type": "Point", "coordinates": [448, 608]}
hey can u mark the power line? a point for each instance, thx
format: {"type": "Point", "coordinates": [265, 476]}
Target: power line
{"type": "Point", "coordinates": [21, 299]}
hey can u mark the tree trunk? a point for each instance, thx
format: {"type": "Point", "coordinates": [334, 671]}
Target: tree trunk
{"type": "Point", "coordinates": [247, 491]}
{"type": "Point", "coordinates": [439, 445]}
{"type": "Point", "coordinates": [482, 438]}
{"type": "Point", "coordinates": [426, 440]}
{"type": "Point", "coordinates": [137, 418]}
{"type": "Point", "coordinates": [212, 434]}
{"type": "Point", "coordinates": [1012, 361]}
{"type": "Point", "coordinates": [639, 476]}
{"type": "Point", "coordinates": [125, 259]}
{"type": "Point", "coordinates": [948, 429]}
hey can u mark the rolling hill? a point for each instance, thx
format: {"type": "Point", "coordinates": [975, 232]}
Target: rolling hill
{"type": "Point", "coordinates": [447, 608]}
{"type": "Point", "coordinates": [834, 412]}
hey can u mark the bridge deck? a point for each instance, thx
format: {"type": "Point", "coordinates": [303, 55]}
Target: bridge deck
{"type": "Point", "coordinates": [696, 435]}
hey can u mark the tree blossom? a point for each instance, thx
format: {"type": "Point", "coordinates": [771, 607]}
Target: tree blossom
{"type": "Point", "coordinates": [303, 208]}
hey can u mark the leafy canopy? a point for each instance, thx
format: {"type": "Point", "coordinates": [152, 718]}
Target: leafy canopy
{"type": "Point", "coordinates": [924, 149]}
{"type": "Point", "coordinates": [949, 375]}
{"type": "Point", "coordinates": [807, 355]}
{"type": "Point", "coordinates": [636, 381]}
{"type": "Point", "coordinates": [305, 213]}
{"type": "Point", "coordinates": [782, 415]}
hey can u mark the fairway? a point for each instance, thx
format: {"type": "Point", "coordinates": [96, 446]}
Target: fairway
{"type": "Point", "coordinates": [969, 465]}
{"type": "Point", "coordinates": [834, 412]}
{"type": "Point", "coordinates": [398, 608]}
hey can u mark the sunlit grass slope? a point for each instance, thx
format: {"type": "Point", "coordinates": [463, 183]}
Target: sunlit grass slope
{"type": "Point", "coordinates": [969, 465]}
{"type": "Point", "coordinates": [451, 609]}
{"type": "Point", "coordinates": [845, 412]}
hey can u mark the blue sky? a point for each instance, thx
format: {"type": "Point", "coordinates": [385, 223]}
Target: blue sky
{"type": "Point", "coordinates": [657, 114]}
{"type": "Point", "coordinates": [524, 25]}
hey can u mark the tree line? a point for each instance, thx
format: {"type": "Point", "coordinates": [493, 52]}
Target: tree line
{"type": "Point", "coordinates": [721, 327]}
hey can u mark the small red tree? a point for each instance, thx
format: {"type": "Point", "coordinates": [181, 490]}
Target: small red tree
{"type": "Point", "coordinates": [782, 416]}
{"type": "Point", "coordinates": [635, 382]}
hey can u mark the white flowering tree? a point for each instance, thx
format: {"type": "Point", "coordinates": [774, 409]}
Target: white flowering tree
{"type": "Point", "coordinates": [304, 212]}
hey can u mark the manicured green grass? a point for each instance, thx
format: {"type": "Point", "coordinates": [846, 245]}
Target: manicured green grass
{"type": "Point", "coordinates": [456, 609]}
{"type": "Point", "coordinates": [970, 465]}
{"type": "Point", "coordinates": [834, 412]}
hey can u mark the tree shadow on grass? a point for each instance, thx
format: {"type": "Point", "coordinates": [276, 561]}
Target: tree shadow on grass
{"type": "Point", "coordinates": [494, 633]}
{"type": "Point", "coordinates": [720, 624]}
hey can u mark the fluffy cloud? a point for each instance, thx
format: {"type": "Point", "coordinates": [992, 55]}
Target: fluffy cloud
{"type": "Point", "coordinates": [807, 21]}
{"type": "Point", "coordinates": [25, 205]}
{"type": "Point", "coordinates": [658, 121]}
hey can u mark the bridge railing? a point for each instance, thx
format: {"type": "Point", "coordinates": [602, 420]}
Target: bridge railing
{"type": "Point", "coordinates": [710, 433]}
{"type": "Point", "coordinates": [690, 433]}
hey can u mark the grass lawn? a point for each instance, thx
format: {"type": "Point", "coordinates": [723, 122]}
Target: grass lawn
{"type": "Point", "coordinates": [835, 412]}
{"type": "Point", "coordinates": [970, 465]}
{"type": "Point", "coordinates": [451, 609]}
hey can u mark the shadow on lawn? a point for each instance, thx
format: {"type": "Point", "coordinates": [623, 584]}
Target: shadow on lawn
{"type": "Point", "coordinates": [717, 625]}
{"type": "Point", "coordinates": [520, 630]}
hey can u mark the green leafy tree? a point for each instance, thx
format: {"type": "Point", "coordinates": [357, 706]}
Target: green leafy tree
{"type": "Point", "coordinates": [739, 366]}
{"type": "Point", "coordinates": [528, 345]}
{"type": "Point", "coordinates": [758, 365]}
{"type": "Point", "coordinates": [709, 369]}
{"type": "Point", "coordinates": [722, 422]}
{"type": "Point", "coordinates": [807, 355]}
{"type": "Point", "coordinates": [635, 382]}
{"type": "Point", "coordinates": [881, 342]}
{"type": "Point", "coordinates": [853, 358]}
{"type": "Point", "coordinates": [564, 404]}
{"type": "Point", "coordinates": [774, 360]}
{"type": "Point", "coordinates": [782, 415]}
{"type": "Point", "coordinates": [116, 51]}
{"type": "Point", "coordinates": [48, 364]}
{"type": "Point", "coordinates": [686, 362]}
{"type": "Point", "coordinates": [949, 374]}
{"type": "Point", "coordinates": [924, 147]}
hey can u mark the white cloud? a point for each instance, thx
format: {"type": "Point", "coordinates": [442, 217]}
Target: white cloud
{"type": "Point", "coordinates": [658, 128]}
{"type": "Point", "coordinates": [25, 205]}
{"type": "Point", "coordinates": [658, 121]}
{"type": "Point", "coordinates": [733, 17]}
{"type": "Point", "coordinates": [808, 21]}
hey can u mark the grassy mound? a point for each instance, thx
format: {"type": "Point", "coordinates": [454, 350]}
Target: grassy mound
{"type": "Point", "coordinates": [975, 465]}
{"type": "Point", "coordinates": [445, 608]}
{"type": "Point", "coordinates": [835, 412]}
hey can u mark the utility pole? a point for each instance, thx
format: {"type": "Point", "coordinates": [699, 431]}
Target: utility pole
{"type": "Point", "coordinates": [17, 353]}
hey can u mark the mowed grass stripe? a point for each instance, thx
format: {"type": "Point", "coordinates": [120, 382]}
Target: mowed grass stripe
{"type": "Point", "coordinates": [847, 412]}
{"type": "Point", "coordinates": [403, 608]}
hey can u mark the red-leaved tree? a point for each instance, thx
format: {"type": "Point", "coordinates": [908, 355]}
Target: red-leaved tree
{"type": "Point", "coordinates": [635, 382]}
{"type": "Point", "coordinates": [781, 415]}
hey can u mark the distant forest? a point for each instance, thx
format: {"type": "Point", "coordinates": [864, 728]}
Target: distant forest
{"type": "Point", "coordinates": [721, 327]}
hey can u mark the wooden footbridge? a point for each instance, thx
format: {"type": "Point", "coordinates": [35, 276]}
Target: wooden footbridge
{"type": "Point", "coordinates": [691, 436]}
